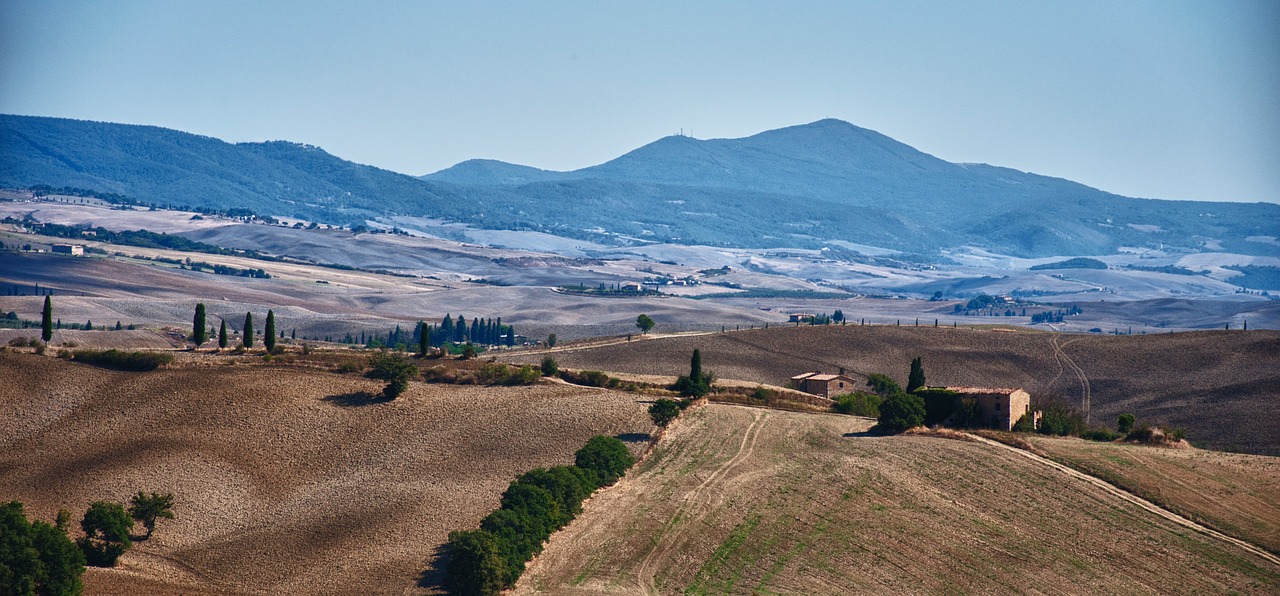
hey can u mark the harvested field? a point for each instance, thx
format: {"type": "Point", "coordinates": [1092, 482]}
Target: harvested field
{"type": "Point", "coordinates": [1233, 493]}
{"type": "Point", "coordinates": [120, 340]}
{"type": "Point", "coordinates": [1222, 387]}
{"type": "Point", "coordinates": [742, 500]}
{"type": "Point", "coordinates": [287, 479]}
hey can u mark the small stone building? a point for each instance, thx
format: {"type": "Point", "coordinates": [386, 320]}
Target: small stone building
{"type": "Point", "coordinates": [1000, 408]}
{"type": "Point", "coordinates": [827, 386]}
{"type": "Point", "coordinates": [74, 250]}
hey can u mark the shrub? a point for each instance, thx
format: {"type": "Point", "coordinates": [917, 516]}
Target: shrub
{"type": "Point", "coordinates": [1025, 424]}
{"type": "Point", "coordinates": [1100, 434]}
{"type": "Point", "coordinates": [106, 528]}
{"type": "Point", "coordinates": [901, 411]}
{"type": "Point", "coordinates": [119, 360]}
{"type": "Point", "coordinates": [475, 567]}
{"type": "Point", "coordinates": [883, 385]}
{"type": "Point", "coordinates": [1124, 423]}
{"type": "Point", "coordinates": [1061, 419]}
{"type": "Point", "coordinates": [605, 459]}
{"type": "Point", "coordinates": [35, 557]}
{"type": "Point", "coordinates": [18, 342]}
{"type": "Point", "coordinates": [393, 368]}
{"type": "Point", "coordinates": [349, 366]}
{"type": "Point", "coordinates": [549, 367]}
{"type": "Point", "coordinates": [858, 404]}
{"type": "Point", "coordinates": [664, 411]}
{"type": "Point", "coordinates": [762, 394]}
{"type": "Point", "coordinates": [589, 378]}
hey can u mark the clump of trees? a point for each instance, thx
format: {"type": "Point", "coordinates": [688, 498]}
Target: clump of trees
{"type": "Point", "coordinates": [663, 411]}
{"type": "Point", "coordinates": [106, 528]}
{"type": "Point", "coordinates": [486, 560]}
{"type": "Point", "coordinates": [858, 403]}
{"type": "Point", "coordinates": [36, 557]}
{"type": "Point", "coordinates": [698, 382]}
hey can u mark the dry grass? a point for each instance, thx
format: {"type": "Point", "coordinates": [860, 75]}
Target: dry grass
{"type": "Point", "coordinates": [741, 500]}
{"type": "Point", "coordinates": [1234, 493]}
{"type": "Point", "coordinates": [1222, 387]}
{"type": "Point", "coordinates": [288, 479]}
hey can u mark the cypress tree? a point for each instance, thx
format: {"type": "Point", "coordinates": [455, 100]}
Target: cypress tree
{"type": "Point", "coordinates": [695, 366]}
{"type": "Point", "coordinates": [88, 325]}
{"type": "Point", "coordinates": [916, 379]}
{"type": "Point", "coordinates": [511, 335]}
{"type": "Point", "coordinates": [222, 335]}
{"type": "Point", "coordinates": [269, 334]}
{"type": "Point", "coordinates": [198, 330]}
{"type": "Point", "coordinates": [248, 330]}
{"type": "Point", "coordinates": [46, 320]}
{"type": "Point", "coordinates": [424, 339]}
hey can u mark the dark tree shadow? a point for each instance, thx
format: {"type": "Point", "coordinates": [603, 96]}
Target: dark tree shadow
{"type": "Point", "coordinates": [634, 437]}
{"type": "Point", "coordinates": [865, 433]}
{"type": "Point", "coordinates": [355, 400]}
{"type": "Point", "coordinates": [432, 578]}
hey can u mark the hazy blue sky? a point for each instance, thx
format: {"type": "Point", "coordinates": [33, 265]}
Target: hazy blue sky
{"type": "Point", "coordinates": [1152, 99]}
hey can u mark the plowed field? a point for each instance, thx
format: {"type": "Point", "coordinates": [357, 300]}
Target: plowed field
{"type": "Point", "coordinates": [286, 480]}
{"type": "Point", "coordinates": [1222, 387]}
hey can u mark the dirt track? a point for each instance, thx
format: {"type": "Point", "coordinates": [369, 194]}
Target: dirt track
{"type": "Point", "coordinates": [810, 504]}
{"type": "Point", "coordinates": [287, 480]}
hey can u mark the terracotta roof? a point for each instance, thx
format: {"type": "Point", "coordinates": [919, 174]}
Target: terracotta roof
{"type": "Point", "coordinates": [803, 376]}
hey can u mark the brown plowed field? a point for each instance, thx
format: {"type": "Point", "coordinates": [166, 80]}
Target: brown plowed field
{"type": "Point", "coordinates": [743, 500]}
{"type": "Point", "coordinates": [1222, 387]}
{"type": "Point", "coordinates": [287, 480]}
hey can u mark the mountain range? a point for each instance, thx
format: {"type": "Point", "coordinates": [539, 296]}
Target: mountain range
{"type": "Point", "coordinates": [800, 186]}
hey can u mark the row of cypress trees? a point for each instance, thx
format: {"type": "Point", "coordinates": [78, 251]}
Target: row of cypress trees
{"type": "Point", "coordinates": [200, 330]}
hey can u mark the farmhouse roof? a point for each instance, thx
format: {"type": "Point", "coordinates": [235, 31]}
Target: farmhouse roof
{"type": "Point", "coordinates": [983, 390]}
{"type": "Point", "coordinates": [802, 376]}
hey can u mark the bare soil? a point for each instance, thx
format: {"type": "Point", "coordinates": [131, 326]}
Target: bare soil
{"type": "Point", "coordinates": [287, 479]}
{"type": "Point", "coordinates": [1222, 387]}
{"type": "Point", "coordinates": [743, 500]}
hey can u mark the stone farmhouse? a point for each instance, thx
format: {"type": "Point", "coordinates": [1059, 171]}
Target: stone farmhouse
{"type": "Point", "coordinates": [827, 386]}
{"type": "Point", "coordinates": [1000, 408]}
{"type": "Point", "coordinates": [74, 250]}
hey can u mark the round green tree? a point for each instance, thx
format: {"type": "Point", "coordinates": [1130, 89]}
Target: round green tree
{"type": "Point", "coordinates": [106, 528]}
{"type": "Point", "coordinates": [644, 323]}
{"type": "Point", "coordinates": [664, 411]}
{"type": "Point", "coordinates": [901, 411]}
{"type": "Point", "coordinates": [605, 458]}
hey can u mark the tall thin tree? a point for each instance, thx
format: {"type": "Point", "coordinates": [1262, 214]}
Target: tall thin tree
{"type": "Point", "coordinates": [46, 321]}
{"type": "Point", "coordinates": [269, 334]}
{"type": "Point", "coordinates": [424, 339]}
{"type": "Point", "coordinates": [247, 340]}
{"type": "Point", "coordinates": [916, 379]}
{"type": "Point", "coordinates": [198, 330]}
{"type": "Point", "coordinates": [222, 335]}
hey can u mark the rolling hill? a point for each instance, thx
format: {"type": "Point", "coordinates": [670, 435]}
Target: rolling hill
{"type": "Point", "coordinates": [800, 186]}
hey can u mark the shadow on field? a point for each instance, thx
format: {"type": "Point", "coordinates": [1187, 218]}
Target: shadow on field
{"type": "Point", "coordinates": [634, 437]}
{"type": "Point", "coordinates": [432, 578]}
{"type": "Point", "coordinates": [356, 399]}
{"type": "Point", "coordinates": [865, 433]}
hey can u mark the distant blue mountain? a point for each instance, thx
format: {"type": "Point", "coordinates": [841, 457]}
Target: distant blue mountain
{"type": "Point", "coordinates": [798, 186]}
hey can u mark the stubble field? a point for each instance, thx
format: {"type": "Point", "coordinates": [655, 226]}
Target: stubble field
{"type": "Point", "coordinates": [743, 500]}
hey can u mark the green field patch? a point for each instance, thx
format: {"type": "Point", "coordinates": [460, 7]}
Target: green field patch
{"type": "Point", "coordinates": [711, 568]}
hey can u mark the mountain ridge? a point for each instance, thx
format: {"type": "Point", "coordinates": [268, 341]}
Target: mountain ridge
{"type": "Point", "coordinates": [798, 186]}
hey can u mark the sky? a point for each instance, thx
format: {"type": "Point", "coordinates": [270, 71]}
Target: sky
{"type": "Point", "coordinates": [1160, 99]}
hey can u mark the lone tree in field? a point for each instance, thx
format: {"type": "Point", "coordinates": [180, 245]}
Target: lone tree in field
{"type": "Point", "coordinates": [269, 334]}
{"type": "Point", "coordinates": [198, 330]}
{"type": "Point", "coordinates": [222, 335]}
{"type": "Point", "coordinates": [46, 320]}
{"type": "Point", "coordinates": [393, 368]}
{"type": "Point", "coordinates": [644, 323]}
{"type": "Point", "coordinates": [247, 340]}
{"type": "Point", "coordinates": [147, 509]}
{"type": "Point", "coordinates": [916, 379]}
{"type": "Point", "coordinates": [106, 528]}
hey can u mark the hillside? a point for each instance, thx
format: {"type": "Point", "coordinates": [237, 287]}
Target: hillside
{"type": "Point", "coordinates": [1219, 386]}
{"type": "Point", "coordinates": [286, 480]}
{"type": "Point", "coordinates": [799, 186]}
{"type": "Point", "coordinates": [743, 500]}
